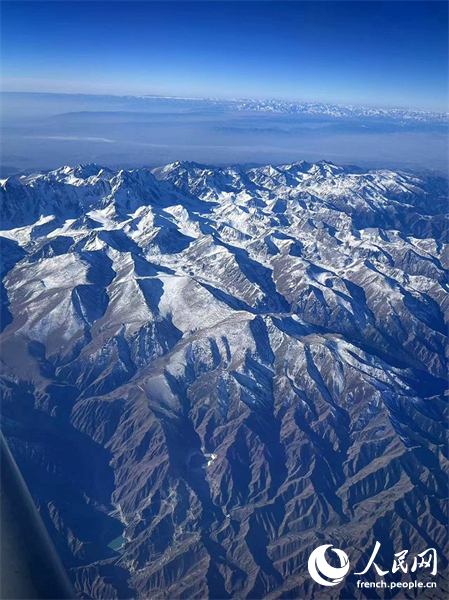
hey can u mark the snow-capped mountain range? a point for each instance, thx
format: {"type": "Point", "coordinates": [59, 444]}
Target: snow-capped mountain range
{"type": "Point", "coordinates": [225, 368]}
{"type": "Point", "coordinates": [341, 110]}
{"type": "Point", "coordinates": [314, 109]}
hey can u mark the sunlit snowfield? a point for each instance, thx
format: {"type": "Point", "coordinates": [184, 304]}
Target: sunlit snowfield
{"type": "Point", "coordinates": [45, 131]}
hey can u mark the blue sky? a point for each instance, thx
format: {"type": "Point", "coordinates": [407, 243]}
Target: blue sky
{"type": "Point", "coordinates": [371, 53]}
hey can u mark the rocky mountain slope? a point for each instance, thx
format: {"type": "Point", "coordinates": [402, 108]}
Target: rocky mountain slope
{"type": "Point", "coordinates": [209, 372]}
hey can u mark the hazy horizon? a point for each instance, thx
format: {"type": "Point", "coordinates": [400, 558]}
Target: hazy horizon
{"type": "Point", "coordinates": [128, 84]}
{"type": "Point", "coordinates": [159, 82]}
{"type": "Point", "coordinates": [211, 96]}
{"type": "Point", "coordinates": [45, 131]}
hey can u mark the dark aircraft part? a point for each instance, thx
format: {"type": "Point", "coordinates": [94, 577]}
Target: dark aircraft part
{"type": "Point", "coordinates": [30, 567]}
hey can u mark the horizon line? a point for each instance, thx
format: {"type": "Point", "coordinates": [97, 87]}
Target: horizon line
{"type": "Point", "coordinates": [230, 100]}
